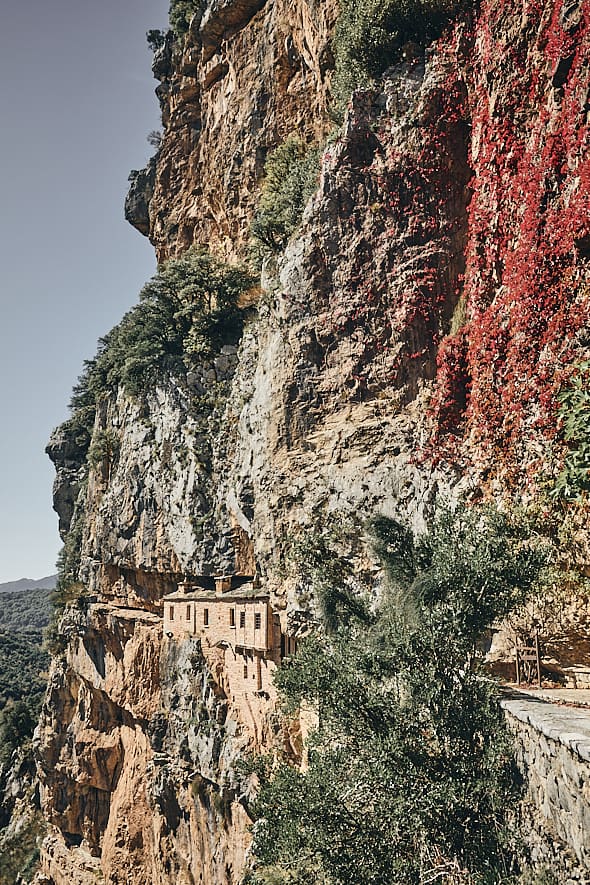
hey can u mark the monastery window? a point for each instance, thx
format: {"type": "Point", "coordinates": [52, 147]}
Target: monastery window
{"type": "Point", "coordinates": [188, 612]}
{"type": "Point", "coordinates": [171, 612]}
{"type": "Point", "coordinates": [245, 671]}
{"type": "Point", "coordinates": [242, 619]}
{"type": "Point", "coordinates": [257, 621]}
{"type": "Point", "coordinates": [232, 617]}
{"type": "Point", "coordinates": [206, 617]}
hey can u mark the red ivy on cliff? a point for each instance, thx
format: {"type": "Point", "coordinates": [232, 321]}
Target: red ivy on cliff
{"type": "Point", "coordinates": [528, 248]}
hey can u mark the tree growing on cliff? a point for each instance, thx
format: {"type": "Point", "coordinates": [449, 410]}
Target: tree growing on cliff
{"type": "Point", "coordinates": [370, 35]}
{"type": "Point", "coordinates": [291, 177]}
{"type": "Point", "coordinates": [186, 311]}
{"type": "Point", "coordinates": [181, 13]}
{"type": "Point", "coordinates": [410, 770]}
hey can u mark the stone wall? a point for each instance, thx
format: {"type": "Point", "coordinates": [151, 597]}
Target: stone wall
{"type": "Point", "coordinates": [553, 753]}
{"type": "Point", "coordinates": [242, 656]}
{"type": "Point", "coordinates": [246, 623]}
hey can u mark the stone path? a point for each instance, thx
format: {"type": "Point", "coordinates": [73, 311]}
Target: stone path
{"type": "Point", "coordinates": [568, 725]}
{"type": "Point", "coordinates": [579, 697]}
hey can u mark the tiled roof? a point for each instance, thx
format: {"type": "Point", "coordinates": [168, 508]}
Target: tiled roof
{"type": "Point", "coordinates": [247, 592]}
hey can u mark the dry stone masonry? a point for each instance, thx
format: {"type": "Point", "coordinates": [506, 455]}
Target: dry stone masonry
{"type": "Point", "coordinates": [554, 756]}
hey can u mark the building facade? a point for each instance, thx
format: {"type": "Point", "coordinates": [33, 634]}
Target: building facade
{"type": "Point", "coordinates": [235, 622]}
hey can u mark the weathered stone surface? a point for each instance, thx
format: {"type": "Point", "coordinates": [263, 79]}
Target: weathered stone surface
{"type": "Point", "coordinates": [223, 18]}
{"type": "Point", "coordinates": [139, 196]}
{"type": "Point", "coordinates": [250, 74]}
{"type": "Point", "coordinates": [68, 454]}
{"type": "Point", "coordinates": [66, 865]}
{"type": "Point", "coordinates": [553, 752]}
{"type": "Point", "coordinates": [138, 745]}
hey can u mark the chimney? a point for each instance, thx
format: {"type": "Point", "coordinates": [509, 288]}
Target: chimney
{"type": "Point", "coordinates": [222, 584]}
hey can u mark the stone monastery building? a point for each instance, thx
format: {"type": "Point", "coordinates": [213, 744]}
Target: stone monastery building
{"type": "Point", "coordinates": [235, 622]}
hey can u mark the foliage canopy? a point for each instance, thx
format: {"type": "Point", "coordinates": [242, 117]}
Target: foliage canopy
{"type": "Point", "coordinates": [370, 36]}
{"type": "Point", "coordinates": [187, 310]}
{"type": "Point", "coordinates": [22, 663]}
{"type": "Point", "coordinates": [291, 176]}
{"type": "Point", "coordinates": [574, 412]}
{"type": "Point", "coordinates": [25, 610]}
{"type": "Point", "coordinates": [410, 768]}
{"type": "Point", "coordinates": [181, 13]}
{"type": "Point", "coordinates": [23, 669]}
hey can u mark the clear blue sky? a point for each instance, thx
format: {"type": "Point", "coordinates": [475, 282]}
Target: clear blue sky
{"type": "Point", "coordinates": [76, 103]}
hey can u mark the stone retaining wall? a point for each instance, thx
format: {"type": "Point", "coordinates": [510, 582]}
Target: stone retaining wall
{"type": "Point", "coordinates": [553, 753]}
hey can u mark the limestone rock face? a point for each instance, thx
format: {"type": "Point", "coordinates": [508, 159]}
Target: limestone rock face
{"type": "Point", "coordinates": [68, 454]}
{"type": "Point", "coordinates": [139, 196]}
{"type": "Point", "coordinates": [21, 822]}
{"type": "Point", "coordinates": [359, 358]}
{"type": "Point", "coordinates": [250, 73]}
{"type": "Point", "coordinates": [138, 746]}
{"type": "Point", "coordinates": [345, 350]}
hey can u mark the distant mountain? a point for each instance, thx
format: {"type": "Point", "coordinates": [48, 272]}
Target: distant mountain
{"type": "Point", "coordinates": [29, 584]}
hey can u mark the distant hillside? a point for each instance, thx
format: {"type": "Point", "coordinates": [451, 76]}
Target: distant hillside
{"type": "Point", "coordinates": [47, 583]}
{"type": "Point", "coordinates": [25, 611]}
{"type": "Point", "coordinates": [23, 667]}
{"type": "Point", "coordinates": [23, 663]}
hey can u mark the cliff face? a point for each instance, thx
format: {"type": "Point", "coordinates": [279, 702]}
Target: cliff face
{"type": "Point", "coordinates": [249, 74]}
{"type": "Point", "coordinates": [526, 277]}
{"type": "Point", "coordinates": [21, 823]}
{"type": "Point", "coordinates": [408, 343]}
{"type": "Point", "coordinates": [139, 746]}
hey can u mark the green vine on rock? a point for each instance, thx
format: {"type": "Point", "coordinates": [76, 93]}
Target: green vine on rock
{"type": "Point", "coordinates": [573, 483]}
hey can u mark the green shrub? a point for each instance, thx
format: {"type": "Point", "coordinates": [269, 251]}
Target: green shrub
{"type": "Point", "coordinates": [17, 723]}
{"type": "Point", "coordinates": [314, 559]}
{"type": "Point", "coordinates": [187, 310]}
{"type": "Point", "coordinates": [291, 177]}
{"type": "Point", "coordinates": [411, 768]}
{"type": "Point", "coordinates": [181, 13]}
{"type": "Point", "coordinates": [573, 483]}
{"type": "Point", "coordinates": [155, 39]}
{"type": "Point", "coordinates": [370, 35]}
{"type": "Point", "coordinates": [104, 451]}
